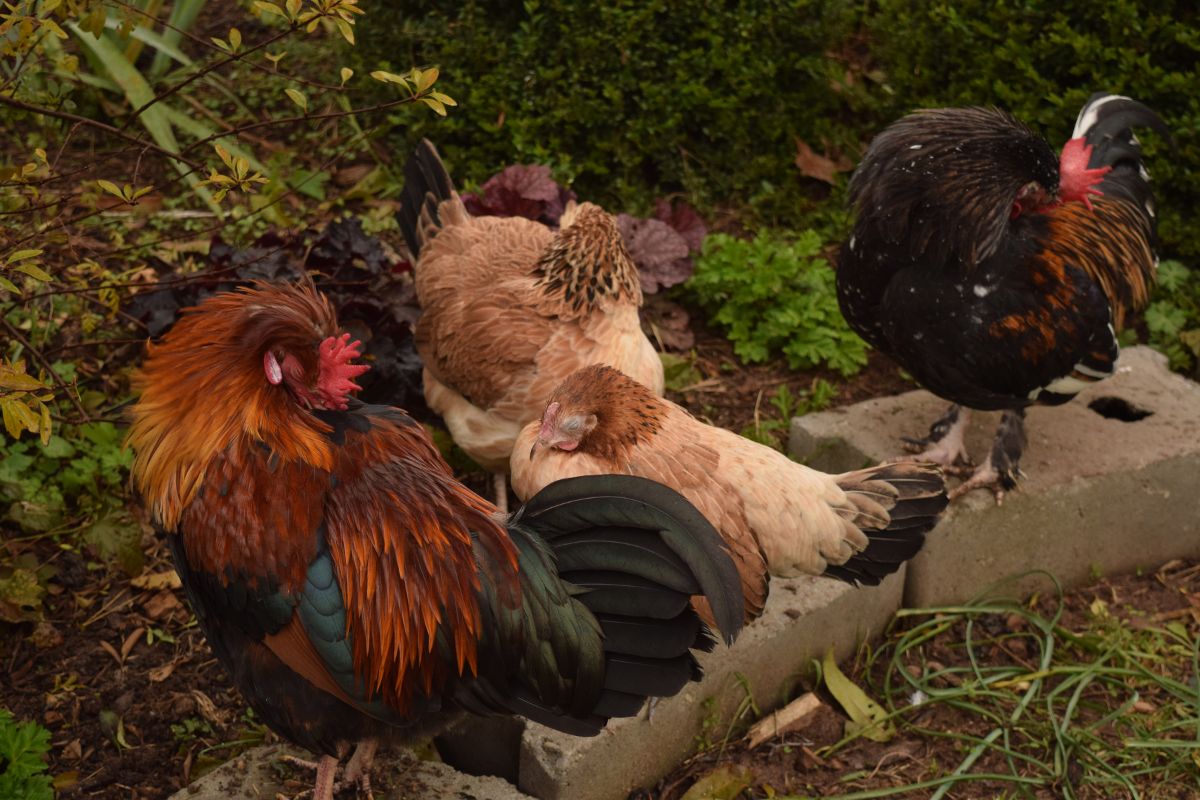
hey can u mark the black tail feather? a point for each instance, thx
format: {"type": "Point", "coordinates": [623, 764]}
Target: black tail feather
{"type": "Point", "coordinates": [426, 184]}
{"type": "Point", "coordinates": [635, 552]}
{"type": "Point", "coordinates": [913, 496]}
{"type": "Point", "coordinates": [1106, 122]}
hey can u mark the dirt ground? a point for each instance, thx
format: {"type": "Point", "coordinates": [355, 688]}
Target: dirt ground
{"type": "Point", "coordinates": [137, 705]}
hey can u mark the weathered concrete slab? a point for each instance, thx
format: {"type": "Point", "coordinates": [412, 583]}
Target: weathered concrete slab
{"type": "Point", "coordinates": [1100, 494]}
{"type": "Point", "coordinates": [803, 618]}
{"type": "Point", "coordinates": [256, 774]}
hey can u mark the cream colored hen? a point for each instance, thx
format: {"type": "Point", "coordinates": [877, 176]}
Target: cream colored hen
{"type": "Point", "coordinates": [777, 517]}
{"type": "Point", "coordinates": [510, 308]}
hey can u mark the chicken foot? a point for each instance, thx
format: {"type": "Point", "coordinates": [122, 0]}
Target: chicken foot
{"type": "Point", "coordinates": [1002, 467]}
{"type": "Point", "coordinates": [357, 773]}
{"type": "Point", "coordinates": [945, 445]}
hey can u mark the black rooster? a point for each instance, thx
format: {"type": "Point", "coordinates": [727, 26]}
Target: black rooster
{"type": "Point", "coordinates": [994, 272]}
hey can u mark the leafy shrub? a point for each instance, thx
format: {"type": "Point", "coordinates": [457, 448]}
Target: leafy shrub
{"type": "Point", "coordinates": [631, 99]}
{"type": "Point", "coordinates": [23, 747]}
{"type": "Point", "coordinates": [1173, 319]}
{"type": "Point", "coordinates": [775, 294]}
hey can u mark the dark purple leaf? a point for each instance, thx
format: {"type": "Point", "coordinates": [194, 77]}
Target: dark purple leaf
{"type": "Point", "coordinates": [660, 253]}
{"type": "Point", "coordinates": [521, 190]}
{"type": "Point", "coordinates": [684, 219]}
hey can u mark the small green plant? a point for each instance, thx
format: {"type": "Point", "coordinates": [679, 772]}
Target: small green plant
{"type": "Point", "coordinates": [23, 749]}
{"type": "Point", "coordinates": [1173, 318]}
{"type": "Point", "coordinates": [776, 295]}
{"type": "Point", "coordinates": [771, 430]}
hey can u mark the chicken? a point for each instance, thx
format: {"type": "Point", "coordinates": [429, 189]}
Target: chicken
{"type": "Point", "coordinates": [995, 273]}
{"type": "Point", "coordinates": [355, 591]}
{"type": "Point", "coordinates": [509, 308]}
{"type": "Point", "coordinates": [778, 517]}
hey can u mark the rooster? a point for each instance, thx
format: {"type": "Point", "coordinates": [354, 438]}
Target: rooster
{"type": "Point", "coordinates": [777, 517]}
{"type": "Point", "coordinates": [509, 308]}
{"type": "Point", "coordinates": [995, 273]}
{"type": "Point", "coordinates": [355, 590]}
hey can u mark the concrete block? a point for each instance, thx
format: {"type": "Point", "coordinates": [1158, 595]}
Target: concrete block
{"type": "Point", "coordinates": [1101, 494]}
{"type": "Point", "coordinates": [253, 774]}
{"type": "Point", "coordinates": [803, 618]}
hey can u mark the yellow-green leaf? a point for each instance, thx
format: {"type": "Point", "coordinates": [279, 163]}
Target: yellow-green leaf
{"type": "Point", "coordinates": [44, 431]}
{"type": "Point", "coordinates": [19, 381]}
{"type": "Point", "coordinates": [235, 38]}
{"type": "Point", "coordinates": [443, 98]}
{"type": "Point", "coordinates": [723, 783]}
{"type": "Point", "coordinates": [269, 8]}
{"type": "Point", "coordinates": [345, 29]}
{"type": "Point", "coordinates": [866, 716]}
{"type": "Point", "coordinates": [293, 8]}
{"type": "Point", "coordinates": [347, 74]}
{"type": "Point", "coordinates": [425, 79]}
{"type": "Point", "coordinates": [33, 271]}
{"type": "Point", "coordinates": [8, 285]}
{"type": "Point", "coordinates": [435, 105]}
{"type": "Point", "coordinates": [111, 188]}
{"type": "Point", "coordinates": [21, 255]}
{"type": "Point", "coordinates": [298, 98]}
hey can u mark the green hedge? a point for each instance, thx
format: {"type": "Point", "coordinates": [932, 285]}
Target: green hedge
{"type": "Point", "coordinates": [629, 99]}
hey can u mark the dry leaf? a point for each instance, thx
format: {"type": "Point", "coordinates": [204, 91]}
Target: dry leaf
{"type": "Point", "coordinates": [819, 167]}
{"type": "Point", "coordinates": [112, 651]}
{"type": "Point", "coordinates": [157, 580]}
{"type": "Point", "coordinates": [161, 673]}
{"type": "Point", "coordinates": [161, 604]}
{"type": "Point", "coordinates": [130, 641]}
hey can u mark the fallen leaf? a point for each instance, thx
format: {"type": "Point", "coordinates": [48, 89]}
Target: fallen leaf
{"type": "Point", "coordinates": [161, 673]}
{"type": "Point", "coordinates": [867, 717]}
{"type": "Point", "coordinates": [817, 166]}
{"type": "Point", "coordinates": [161, 604]}
{"type": "Point", "coordinates": [112, 651]}
{"type": "Point", "coordinates": [659, 251]}
{"type": "Point", "coordinates": [723, 783]}
{"type": "Point", "coordinates": [157, 580]}
{"type": "Point", "coordinates": [45, 636]}
{"type": "Point", "coordinates": [130, 641]}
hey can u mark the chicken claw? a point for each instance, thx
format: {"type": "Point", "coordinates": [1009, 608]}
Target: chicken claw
{"type": "Point", "coordinates": [945, 443]}
{"type": "Point", "coordinates": [1001, 469]}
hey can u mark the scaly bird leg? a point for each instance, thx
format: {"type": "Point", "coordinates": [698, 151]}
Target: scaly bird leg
{"type": "Point", "coordinates": [501, 486]}
{"type": "Point", "coordinates": [326, 768]}
{"type": "Point", "coordinates": [1002, 467]}
{"type": "Point", "coordinates": [358, 768]}
{"type": "Point", "coordinates": [945, 443]}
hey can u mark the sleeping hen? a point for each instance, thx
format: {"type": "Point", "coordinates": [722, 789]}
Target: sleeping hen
{"type": "Point", "coordinates": [355, 590]}
{"type": "Point", "coordinates": [510, 307]}
{"type": "Point", "coordinates": [994, 272]}
{"type": "Point", "coordinates": [778, 517]}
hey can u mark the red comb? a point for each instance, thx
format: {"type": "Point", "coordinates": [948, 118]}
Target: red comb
{"type": "Point", "coordinates": [337, 375]}
{"type": "Point", "coordinates": [1075, 180]}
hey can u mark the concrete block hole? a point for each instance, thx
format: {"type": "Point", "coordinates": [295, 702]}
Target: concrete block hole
{"type": "Point", "coordinates": [1119, 408]}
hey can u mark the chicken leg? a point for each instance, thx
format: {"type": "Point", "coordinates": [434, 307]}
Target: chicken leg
{"type": "Point", "coordinates": [500, 486]}
{"type": "Point", "coordinates": [1000, 470]}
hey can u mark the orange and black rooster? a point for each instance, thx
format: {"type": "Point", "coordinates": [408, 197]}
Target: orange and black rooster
{"type": "Point", "coordinates": [995, 272]}
{"type": "Point", "coordinates": [356, 591]}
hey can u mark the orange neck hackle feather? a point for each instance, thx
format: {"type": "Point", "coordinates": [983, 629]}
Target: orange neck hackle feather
{"type": "Point", "coordinates": [588, 261]}
{"type": "Point", "coordinates": [627, 412]}
{"type": "Point", "coordinates": [202, 389]}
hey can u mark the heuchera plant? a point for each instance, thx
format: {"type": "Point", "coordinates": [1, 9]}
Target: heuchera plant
{"type": "Point", "coordinates": [662, 246]}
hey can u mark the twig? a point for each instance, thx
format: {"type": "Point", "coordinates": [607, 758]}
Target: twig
{"type": "Point", "coordinates": [49, 112]}
{"type": "Point", "coordinates": [41, 359]}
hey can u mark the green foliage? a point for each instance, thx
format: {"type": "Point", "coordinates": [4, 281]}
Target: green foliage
{"type": "Point", "coordinates": [23, 748]}
{"type": "Point", "coordinates": [773, 295]}
{"type": "Point", "coordinates": [1173, 318]}
{"type": "Point", "coordinates": [632, 99]}
{"type": "Point", "coordinates": [772, 430]}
